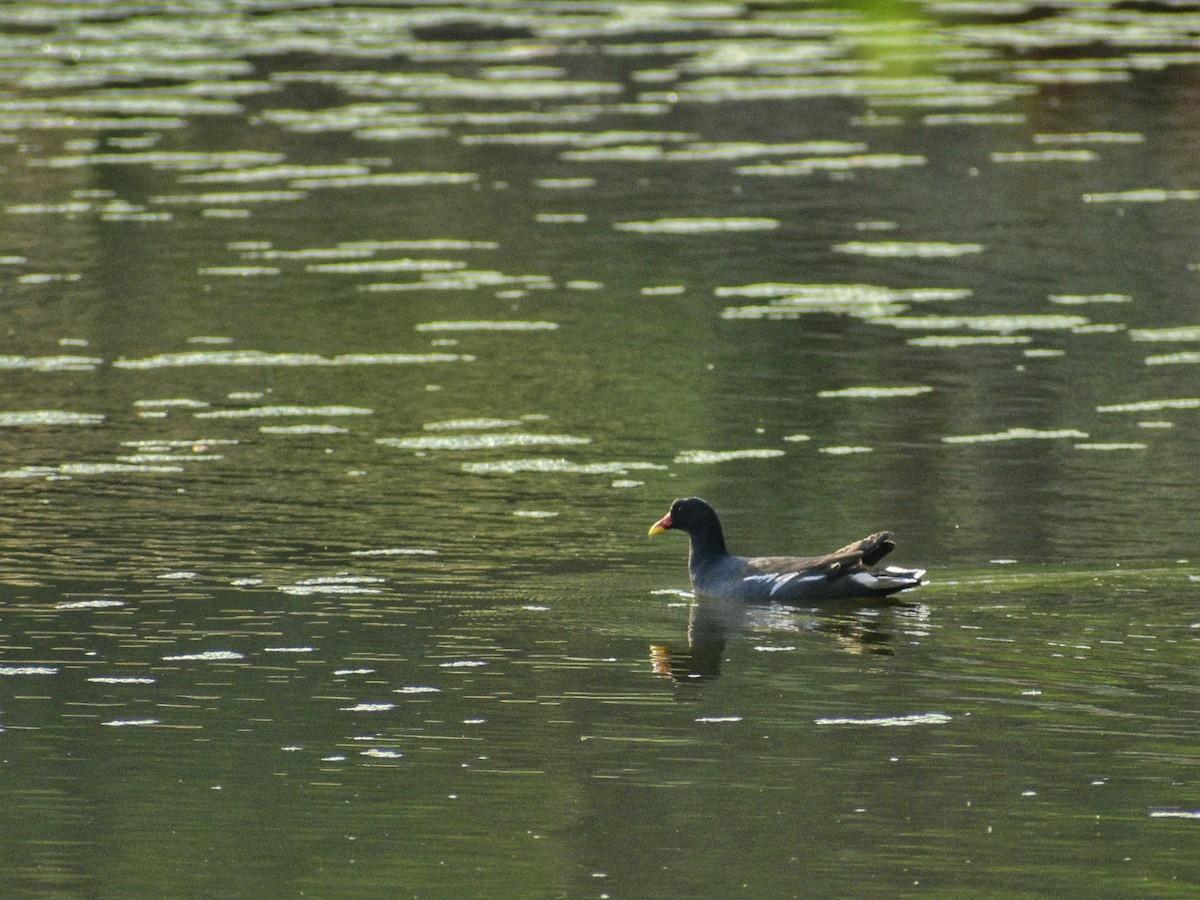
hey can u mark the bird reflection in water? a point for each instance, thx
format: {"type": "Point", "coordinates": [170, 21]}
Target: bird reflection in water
{"type": "Point", "coordinates": [713, 622]}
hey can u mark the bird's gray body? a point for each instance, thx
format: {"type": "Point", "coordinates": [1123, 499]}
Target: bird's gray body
{"type": "Point", "coordinates": [846, 574]}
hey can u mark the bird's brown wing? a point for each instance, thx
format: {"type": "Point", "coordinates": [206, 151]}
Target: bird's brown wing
{"type": "Point", "coordinates": [867, 551]}
{"type": "Point", "coordinates": [870, 549]}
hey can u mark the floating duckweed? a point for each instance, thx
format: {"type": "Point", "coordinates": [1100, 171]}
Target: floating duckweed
{"type": "Point", "coordinates": [973, 119]}
{"type": "Point", "coordinates": [273, 173]}
{"type": "Point", "coordinates": [48, 417]}
{"type": "Point", "coordinates": [469, 424]}
{"type": "Point", "coordinates": [387, 179]}
{"type": "Point", "coordinates": [697, 226]}
{"type": "Point", "coordinates": [382, 753]}
{"type": "Point", "coordinates": [51, 363]}
{"type": "Point", "coordinates": [842, 294]}
{"type": "Point", "coordinates": [462, 281]}
{"type": "Point", "coordinates": [917, 249]}
{"type": "Point", "coordinates": [239, 271]}
{"type": "Point", "coordinates": [139, 459]}
{"type": "Point", "coordinates": [913, 91]}
{"type": "Point", "coordinates": [228, 198]}
{"type": "Point", "coordinates": [482, 441]}
{"type": "Point", "coordinates": [1171, 359]}
{"type": "Point", "coordinates": [69, 208]}
{"type": "Point", "coordinates": [312, 590]}
{"type": "Point", "coordinates": [889, 721]}
{"type": "Point", "coordinates": [115, 212]}
{"type": "Point", "coordinates": [195, 445]}
{"type": "Point", "coordinates": [303, 429]}
{"type": "Point", "coordinates": [1038, 156]}
{"type": "Point", "coordinates": [561, 218]}
{"type": "Point", "coordinates": [1015, 434]}
{"type": "Point", "coordinates": [844, 450]}
{"type": "Point", "coordinates": [90, 123]}
{"type": "Point", "coordinates": [876, 393]}
{"type": "Point", "coordinates": [48, 277]}
{"type": "Point", "coordinates": [389, 133]}
{"type": "Point", "coordinates": [259, 358]}
{"type": "Point", "coordinates": [159, 159]}
{"type": "Point", "coordinates": [270, 254]}
{"type": "Point", "coordinates": [577, 138]}
{"type": "Point", "coordinates": [1188, 333]}
{"type": "Point", "coordinates": [1091, 137]}
{"type": "Point", "coordinates": [368, 707]}
{"type": "Point", "coordinates": [1143, 195]}
{"type": "Point", "coordinates": [514, 466]}
{"type": "Point", "coordinates": [395, 551]}
{"type": "Point", "coordinates": [481, 325]}
{"type": "Point", "coordinates": [72, 470]}
{"type": "Point", "coordinates": [1081, 299]}
{"type": "Point", "coordinates": [1175, 813]}
{"type": "Point", "coordinates": [639, 153]}
{"type": "Point", "coordinates": [387, 265]}
{"type": "Point", "coordinates": [859, 300]}
{"type": "Point", "coordinates": [565, 184]}
{"type": "Point", "coordinates": [259, 412]}
{"type": "Point", "coordinates": [1002, 324]}
{"type": "Point", "coordinates": [440, 85]}
{"type": "Point", "coordinates": [90, 604]}
{"type": "Point", "coordinates": [1152, 405]}
{"type": "Point", "coordinates": [430, 244]}
{"type": "Point", "coordinates": [749, 149]}
{"type": "Point", "coordinates": [334, 585]}
{"type": "Point", "coordinates": [1082, 75]}
{"type": "Point", "coordinates": [206, 656]}
{"type": "Point", "coordinates": [708, 457]}
{"type": "Point", "coordinates": [813, 164]}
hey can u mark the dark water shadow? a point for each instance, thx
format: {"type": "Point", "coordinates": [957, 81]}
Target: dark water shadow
{"type": "Point", "coordinates": [714, 622]}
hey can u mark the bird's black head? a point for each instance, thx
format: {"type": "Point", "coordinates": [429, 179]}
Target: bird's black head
{"type": "Point", "coordinates": [690, 514]}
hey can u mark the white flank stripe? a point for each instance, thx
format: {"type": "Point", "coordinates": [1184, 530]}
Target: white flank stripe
{"type": "Point", "coordinates": [781, 580]}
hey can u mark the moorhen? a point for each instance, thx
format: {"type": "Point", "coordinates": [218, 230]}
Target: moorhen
{"type": "Point", "coordinates": [845, 574]}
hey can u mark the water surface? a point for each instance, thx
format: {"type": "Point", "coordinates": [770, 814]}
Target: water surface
{"type": "Point", "coordinates": [349, 353]}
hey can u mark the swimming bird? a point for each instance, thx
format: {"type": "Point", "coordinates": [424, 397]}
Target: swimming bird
{"type": "Point", "coordinates": [845, 574]}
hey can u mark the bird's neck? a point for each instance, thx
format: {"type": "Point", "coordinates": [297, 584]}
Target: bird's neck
{"type": "Point", "coordinates": [705, 546]}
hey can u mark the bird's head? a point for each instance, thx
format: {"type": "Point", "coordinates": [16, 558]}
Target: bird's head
{"type": "Point", "coordinates": [686, 514]}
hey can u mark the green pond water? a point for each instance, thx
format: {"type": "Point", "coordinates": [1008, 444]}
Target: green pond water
{"type": "Point", "coordinates": [347, 352]}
